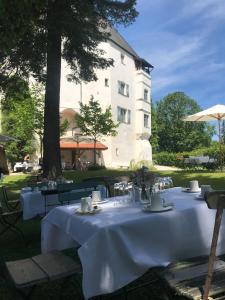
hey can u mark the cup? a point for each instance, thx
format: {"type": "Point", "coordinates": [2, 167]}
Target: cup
{"type": "Point", "coordinates": [86, 204]}
{"type": "Point", "coordinates": [194, 187]}
{"type": "Point", "coordinates": [96, 197]}
{"type": "Point", "coordinates": [205, 188]}
{"type": "Point", "coordinates": [36, 189]}
{"type": "Point", "coordinates": [156, 201]}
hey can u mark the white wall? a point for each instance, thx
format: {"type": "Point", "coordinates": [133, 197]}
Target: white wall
{"type": "Point", "coordinates": [124, 147]}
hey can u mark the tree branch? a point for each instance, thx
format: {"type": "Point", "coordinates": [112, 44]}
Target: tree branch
{"type": "Point", "coordinates": [117, 4]}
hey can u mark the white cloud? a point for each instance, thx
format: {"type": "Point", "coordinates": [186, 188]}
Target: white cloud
{"type": "Point", "coordinates": [182, 39]}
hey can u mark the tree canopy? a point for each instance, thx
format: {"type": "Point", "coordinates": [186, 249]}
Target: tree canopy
{"type": "Point", "coordinates": [35, 35]}
{"type": "Point", "coordinates": [154, 139]}
{"type": "Point", "coordinates": [175, 135]}
{"type": "Point", "coordinates": [95, 123]}
{"type": "Point", "coordinates": [22, 118]}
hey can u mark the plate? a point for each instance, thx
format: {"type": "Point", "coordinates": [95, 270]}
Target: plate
{"type": "Point", "coordinates": [92, 212]}
{"type": "Point", "coordinates": [199, 197]}
{"type": "Point", "coordinates": [162, 209]}
{"type": "Point", "coordinates": [187, 190]}
{"type": "Point", "coordinates": [101, 202]}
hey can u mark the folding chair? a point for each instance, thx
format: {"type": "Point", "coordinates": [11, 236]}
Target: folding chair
{"type": "Point", "coordinates": [10, 204]}
{"type": "Point", "coordinates": [9, 215]}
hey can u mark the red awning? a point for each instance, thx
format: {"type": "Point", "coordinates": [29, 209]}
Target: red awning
{"type": "Point", "coordinates": [84, 146]}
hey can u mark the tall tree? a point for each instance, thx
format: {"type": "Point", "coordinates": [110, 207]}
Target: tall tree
{"type": "Point", "coordinates": [95, 123]}
{"type": "Point", "coordinates": [23, 118]}
{"type": "Point", "coordinates": [154, 139]}
{"type": "Point", "coordinates": [36, 34]}
{"type": "Point", "coordinates": [176, 135]}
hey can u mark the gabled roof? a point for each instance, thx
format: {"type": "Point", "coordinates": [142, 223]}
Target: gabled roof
{"type": "Point", "coordinates": [117, 38]}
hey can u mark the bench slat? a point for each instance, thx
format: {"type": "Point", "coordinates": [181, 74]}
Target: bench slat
{"type": "Point", "coordinates": [25, 273]}
{"type": "Point", "coordinates": [188, 278]}
{"type": "Point", "coordinates": [192, 272]}
{"type": "Point", "coordinates": [57, 265]}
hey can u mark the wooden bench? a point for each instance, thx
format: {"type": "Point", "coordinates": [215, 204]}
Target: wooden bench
{"type": "Point", "coordinates": [198, 279]}
{"type": "Point", "coordinates": [187, 278]}
{"type": "Point", "coordinates": [26, 274]}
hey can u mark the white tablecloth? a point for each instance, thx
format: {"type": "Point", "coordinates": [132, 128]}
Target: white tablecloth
{"type": "Point", "coordinates": [120, 244]}
{"type": "Point", "coordinates": [33, 204]}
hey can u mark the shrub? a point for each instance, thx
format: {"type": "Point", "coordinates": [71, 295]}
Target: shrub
{"type": "Point", "coordinates": [135, 165]}
{"type": "Point", "coordinates": [96, 167]}
{"type": "Point", "coordinates": [178, 159]}
{"type": "Point", "coordinates": [169, 159]}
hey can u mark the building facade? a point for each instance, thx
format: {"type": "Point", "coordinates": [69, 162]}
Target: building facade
{"type": "Point", "coordinates": [126, 87]}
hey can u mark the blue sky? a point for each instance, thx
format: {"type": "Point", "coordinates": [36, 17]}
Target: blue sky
{"type": "Point", "coordinates": [185, 42]}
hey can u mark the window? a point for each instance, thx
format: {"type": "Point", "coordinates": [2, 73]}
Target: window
{"type": "Point", "coordinates": [145, 94]}
{"type": "Point", "coordinates": [146, 121]}
{"type": "Point", "coordinates": [122, 58]}
{"type": "Point", "coordinates": [106, 82]}
{"type": "Point", "coordinates": [123, 88]}
{"type": "Point", "coordinates": [123, 115]}
{"type": "Point", "coordinates": [69, 78]}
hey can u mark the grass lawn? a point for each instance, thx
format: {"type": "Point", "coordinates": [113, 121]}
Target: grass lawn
{"type": "Point", "coordinates": [11, 246]}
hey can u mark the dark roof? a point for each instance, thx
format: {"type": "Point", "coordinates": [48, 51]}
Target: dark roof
{"type": "Point", "coordinates": [116, 38]}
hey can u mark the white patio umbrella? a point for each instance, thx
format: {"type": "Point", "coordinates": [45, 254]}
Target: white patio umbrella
{"type": "Point", "coordinates": [214, 113]}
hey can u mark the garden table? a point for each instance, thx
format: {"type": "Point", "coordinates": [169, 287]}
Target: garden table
{"type": "Point", "coordinates": [38, 203]}
{"type": "Point", "coordinates": [120, 244]}
{"type": "Point", "coordinates": [33, 203]}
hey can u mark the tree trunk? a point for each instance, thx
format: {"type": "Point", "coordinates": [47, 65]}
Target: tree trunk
{"type": "Point", "coordinates": [95, 152]}
{"type": "Point", "coordinates": [51, 146]}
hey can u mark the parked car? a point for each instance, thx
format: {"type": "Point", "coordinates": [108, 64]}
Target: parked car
{"type": "Point", "coordinates": [19, 167]}
{"type": "Point", "coordinates": [23, 167]}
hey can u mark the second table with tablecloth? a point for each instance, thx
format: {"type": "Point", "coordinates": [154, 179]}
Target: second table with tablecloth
{"type": "Point", "coordinates": [120, 244]}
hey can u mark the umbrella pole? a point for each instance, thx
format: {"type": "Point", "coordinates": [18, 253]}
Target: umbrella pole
{"type": "Point", "coordinates": [221, 160]}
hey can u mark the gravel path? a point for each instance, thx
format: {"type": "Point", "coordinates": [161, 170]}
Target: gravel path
{"type": "Point", "coordinates": [166, 168]}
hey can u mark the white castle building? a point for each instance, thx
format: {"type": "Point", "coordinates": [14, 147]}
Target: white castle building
{"type": "Point", "coordinates": [126, 87]}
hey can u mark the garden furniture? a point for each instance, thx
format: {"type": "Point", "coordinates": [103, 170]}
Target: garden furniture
{"type": "Point", "coordinates": [201, 277]}
{"type": "Point", "coordinates": [26, 274]}
{"type": "Point", "coordinates": [214, 113]}
{"type": "Point", "coordinates": [10, 214]}
{"type": "Point", "coordinates": [38, 202]}
{"type": "Point", "coordinates": [140, 240]}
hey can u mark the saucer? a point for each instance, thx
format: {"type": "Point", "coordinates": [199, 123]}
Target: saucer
{"type": "Point", "coordinates": [187, 190]}
{"type": "Point", "coordinates": [199, 197]}
{"type": "Point", "coordinates": [26, 189]}
{"type": "Point", "coordinates": [161, 209]}
{"type": "Point", "coordinates": [101, 201]}
{"type": "Point", "coordinates": [92, 212]}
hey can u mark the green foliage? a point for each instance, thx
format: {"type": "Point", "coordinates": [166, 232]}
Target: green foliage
{"type": "Point", "coordinates": [178, 159]}
{"type": "Point", "coordinates": [32, 31]}
{"type": "Point", "coordinates": [64, 126]}
{"type": "Point", "coordinates": [139, 164]}
{"type": "Point", "coordinates": [96, 167]}
{"type": "Point", "coordinates": [154, 139]}
{"type": "Point", "coordinates": [174, 134]}
{"type": "Point", "coordinates": [95, 123]}
{"type": "Point", "coordinates": [22, 118]}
